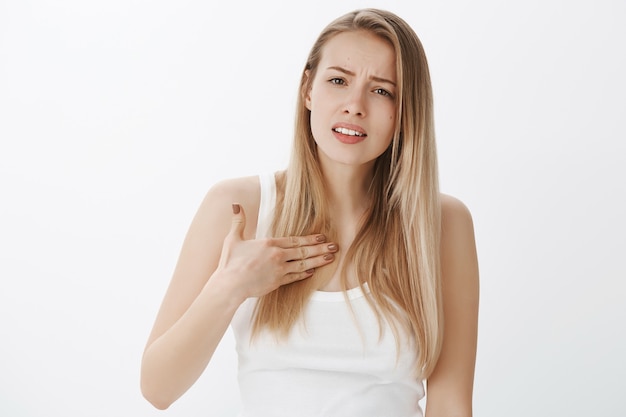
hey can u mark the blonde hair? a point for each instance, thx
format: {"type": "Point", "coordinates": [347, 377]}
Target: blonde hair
{"type": "Point", "coordinates": [396, 251]}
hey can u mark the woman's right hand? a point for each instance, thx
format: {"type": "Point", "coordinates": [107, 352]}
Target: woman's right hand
{"type": "Point", "coordinates": [259, 266]}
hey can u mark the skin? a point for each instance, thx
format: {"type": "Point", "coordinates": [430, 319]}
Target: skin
{"type": "Point", "coordinates": [347, 91]}
{"type": "Point", "coordinates": [219, 267]}
{"type": "Point", "coordinates": [221, 264]}
{"type": "Point", "coordinates": [450, 386]}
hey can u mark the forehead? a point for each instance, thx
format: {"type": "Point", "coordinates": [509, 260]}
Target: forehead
{"type": "Point", "coordinates": [358, 51]}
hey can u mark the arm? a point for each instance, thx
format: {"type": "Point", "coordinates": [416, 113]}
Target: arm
{"type": "Point", "coordinates": [216, 271]}
{"type": "Point", "coordinates": [450, 386]}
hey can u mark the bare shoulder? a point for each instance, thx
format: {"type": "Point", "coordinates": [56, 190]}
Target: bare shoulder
{"type": "Point", "coordinates": [235, 188]}
{"type": "Point", "coordinates": [244, 191]}
{"type": "Point", "coordinates": [454, 213]}
{"type": "Point", "coordinates": [458, 247]}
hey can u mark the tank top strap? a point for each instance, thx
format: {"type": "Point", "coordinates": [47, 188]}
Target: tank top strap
{"type": "Point", "coordinates": [267, 203]}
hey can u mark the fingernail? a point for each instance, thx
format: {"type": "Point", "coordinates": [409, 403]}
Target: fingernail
{"type": "Point", "coordinates": [329, 256]}
{"type": "Point", "coordinates": [320, 238]}
{"type": "Point", "coordinates": [332, 247]}
{"type": "Point", "coordinates": [310, 271]}
{"type": "Point", "coordinates": [236, 208]}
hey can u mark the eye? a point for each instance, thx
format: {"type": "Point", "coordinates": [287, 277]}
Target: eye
{"type": "Point", "coordinates": [383, 92]}
{"type": "Point", "coordinates": [337, 81]}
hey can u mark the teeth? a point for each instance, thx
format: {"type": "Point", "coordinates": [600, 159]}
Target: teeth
{"type": "Point", "coordinates": [348, 132]}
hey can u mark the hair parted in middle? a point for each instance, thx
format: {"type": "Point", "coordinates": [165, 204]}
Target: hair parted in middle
{"type": "Point", "coordinates": [396, 251]}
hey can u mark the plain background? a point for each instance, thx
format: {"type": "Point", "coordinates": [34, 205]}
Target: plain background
{"type": "Point", "coordinates": [116, 117]}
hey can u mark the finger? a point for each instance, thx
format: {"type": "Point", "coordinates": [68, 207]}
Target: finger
{"type": "Point", "coordinates": [303, 265]}
{"type": "Point", "coordinates": [298, 241]}
{"type": "Point", "coordinates": [304, 252]}
{"type": "Point", "coordinates": [298, 276]}
{"type": "Point", "coordinates": [239, 221]}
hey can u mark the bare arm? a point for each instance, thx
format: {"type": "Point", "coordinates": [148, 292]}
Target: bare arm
{"type": "Point", "coordinates": [216, 271]}
{"type": "Point", "coordinates": [450, 386]}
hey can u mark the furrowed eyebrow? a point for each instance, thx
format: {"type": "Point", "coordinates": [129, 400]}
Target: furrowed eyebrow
{"type": "Point", "coordinates": [374, 78]}
{"type": "Point", "coordinates": [383, 80]}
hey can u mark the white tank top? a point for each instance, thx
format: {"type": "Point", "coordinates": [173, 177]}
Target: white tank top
{"type": "Point", "coordinates": [332, 364]}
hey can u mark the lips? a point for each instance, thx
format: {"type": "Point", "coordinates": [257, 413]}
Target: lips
{"type": "Point", "coordinates": [348, 133]}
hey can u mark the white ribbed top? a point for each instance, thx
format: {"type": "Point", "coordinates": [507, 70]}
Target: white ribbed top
{"type": "Point", "coordinates": [333, 363]}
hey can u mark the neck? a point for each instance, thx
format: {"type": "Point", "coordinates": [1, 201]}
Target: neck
{"type": "Point", "coordinates": [348, 199]}
{"type": "Point", "coordinates": [347, 188]}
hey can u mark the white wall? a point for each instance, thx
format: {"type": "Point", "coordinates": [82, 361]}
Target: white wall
{"type": "Point", "coordinates": [117, 116]}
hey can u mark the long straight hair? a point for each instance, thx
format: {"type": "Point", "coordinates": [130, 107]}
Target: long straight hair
{"type": "Point", "coordinates": [396, 250]}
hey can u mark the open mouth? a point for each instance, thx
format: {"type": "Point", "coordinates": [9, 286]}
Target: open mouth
{"type": "Point", "coordinates": [349, 132]}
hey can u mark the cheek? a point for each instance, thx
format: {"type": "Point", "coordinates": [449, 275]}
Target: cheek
{"type": "Point", "coordinates": [319, 108]}
{"type": "Point", "coordinates": [391, 121]}
{"type": "Point", "coordinates": [316, 122]}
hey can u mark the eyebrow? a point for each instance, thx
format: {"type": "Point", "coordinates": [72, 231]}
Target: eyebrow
{"type": "Point", "coordinates": [374, 78]}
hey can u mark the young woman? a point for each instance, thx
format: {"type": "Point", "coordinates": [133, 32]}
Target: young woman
{"type": "Point", "coordinates": [348, 279]}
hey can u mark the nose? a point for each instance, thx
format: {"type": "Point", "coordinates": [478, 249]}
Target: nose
{"type": "Point", "coordinates": [355, 103]}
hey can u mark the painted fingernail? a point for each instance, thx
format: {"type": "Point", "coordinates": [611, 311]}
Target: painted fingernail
{"type": "Point", "coordinates": [320, 238]}
{"type": "Point", "coordinates": [236, 208]}
{"type": "Point", "coordinates": [329, 256]}
{"type": "Point", "coordinates": [332, 247]}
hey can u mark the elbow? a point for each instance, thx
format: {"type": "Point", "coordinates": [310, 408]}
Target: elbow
{"type": "Point", "coordinates": [159, 405]}
{"type": "Point", "coordinates": [154, 395]}
{"type": "Point", "coordinates": [152, 388]}
{"type": "Point", "coordinates": [158, 401]}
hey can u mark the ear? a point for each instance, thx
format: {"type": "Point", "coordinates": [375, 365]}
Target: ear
{"type": "Point", "coordinates": [306, 89]}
